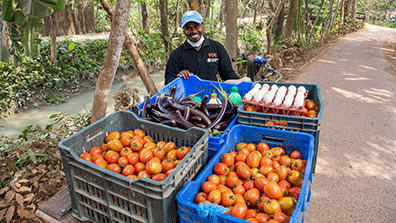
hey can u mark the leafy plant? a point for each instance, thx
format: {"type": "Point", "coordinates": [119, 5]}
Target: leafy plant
{"type": "Point", "coordinates": [30, 156]}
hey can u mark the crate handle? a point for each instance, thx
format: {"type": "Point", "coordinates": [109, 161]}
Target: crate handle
{"type": "Point", "coordinates": [272, 138]}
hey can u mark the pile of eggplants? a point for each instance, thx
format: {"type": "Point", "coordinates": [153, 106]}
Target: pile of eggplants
{"type": "Point", "coordinates": [186, 113]}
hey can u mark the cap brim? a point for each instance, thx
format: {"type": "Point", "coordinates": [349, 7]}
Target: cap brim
{"type": "Point", "coordinates": [191, 20]}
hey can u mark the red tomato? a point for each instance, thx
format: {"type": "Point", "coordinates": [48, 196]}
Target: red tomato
{"type": "Point", "coordinates": [227, 198]}
{"type": "Point", "coordinates": [271, 207]}
{"type": "Point", "coordinates": [122, 161]}
{"type": "Point", "coordinates": [273, 191]}
{"type": "Point", "coordinates": [262, 146]}
{"type": "Point", "coordinates": [128, 170]}
{"type": "Point", "coordinates": [126, 151]}
{"type": "Point", "coordinates": [133, 158]}
{"type": "Point", "coordinates": [86, 156]}
{"type": "Point", "coordinates": [214, 196]}
{"type": "Point", "coordinates": [251, 196]}
{"type": "Point", "coordinates": [114, 167]}
{"type": "Point", "coordinates": [208, 186]}
{"type": "Point", "coordinates": [200, 198]}
{"type": "Point", "coordinates": [153, 167]}
{"type": "Point", "coordinates": [294, 192]}
{"type": "Point", "coordinates": [182, 152]}
{"type": "Point", "coordinates": [167, 164]}
{"type": "Point", "coordinates": [145, 155]}
{"type": "Point", "coordinates": [159, 177]}
{"type": "Point", "coordinates": [220, 169]}
{"type": "Point", "coordinates": [228, 159]}
{"type": "Point", "coordinates": [296, 155]}
{"type": "Point", "coordinates": [239, 210]}
{"type": "Point", "coordinates": [253, 159]}
{"type": "Point", "coordinates": [244, 171]}
{"type": "Point", "coordinates": [95, 150]}
{"type": "Point", "coordinates": [214, 178]}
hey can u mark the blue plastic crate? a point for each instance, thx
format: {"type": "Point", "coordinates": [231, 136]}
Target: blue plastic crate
{"type": "Point", "coordinates": [193, 85]}
{"type": "Point", "coordinates": [294, 123]}
{"type": "Point", "coordinates": [290, 141]}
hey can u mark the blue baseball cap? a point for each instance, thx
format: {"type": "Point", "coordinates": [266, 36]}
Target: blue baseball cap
{"type": "Point", "coordinates": [191, 16]}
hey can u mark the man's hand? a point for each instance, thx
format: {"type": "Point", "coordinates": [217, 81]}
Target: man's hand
{"type": "Point", "coordinates": [185, 74]}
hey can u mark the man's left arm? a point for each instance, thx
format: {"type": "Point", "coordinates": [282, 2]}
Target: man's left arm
{"type": "Point", "coordinates": [225, 69]}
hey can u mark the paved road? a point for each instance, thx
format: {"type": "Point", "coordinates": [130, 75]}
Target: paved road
{"type": "Point", "coordinates": [355, 178]}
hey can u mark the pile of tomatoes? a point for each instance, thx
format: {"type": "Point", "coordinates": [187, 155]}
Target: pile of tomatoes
{"type": "Point", "coordinates": [134, 155]}
{"type": "Point", "coordinates": [257, 183]}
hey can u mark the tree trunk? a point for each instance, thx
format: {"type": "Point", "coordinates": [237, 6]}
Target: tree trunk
{"type": "Point", "coordinates": [271, 25]}
{"type": "Point", "coordinates": [163, 4]}
{"type": "Point", "coordinates": [314, 24]}
{"type": "Point", "coordinates": [112, 57]}
{"type": "Point", "coordinates": [329, 19]}
{"type": "Point", "coordinates": [342, 13]}
{"type": "Point", "coordinates": [193, 5]}
{"type": "Point", "coordinates": [138, 62]}
{"type": "Point", "coordinates": [53, 39]}
{"type": "Point", "coordinates": [207, 9]}
{"type": "Point", "coordinates": [255, 12]}
{"type": "Point", "coordinates": [348, 9]}
{"type": "Point", "coordinates": [231, 23]}
{"type": "Point", "coordinates": [291, 14]}
{"type": "Point", "coordinates": [176, 17]}
{"type": "Point", "coordinates": [222, 12]}
{"type": "Point", "coordinates": [89, 16]}
{"type": "Point", "coordinates": [80, 18]}
{"type": "Point", "coordinates": [353, 13]}
{"type": "Point", "coordinates": [299, 21]}
{"type": "Point", "coordinates": [279, 24]}
{"type": "Point", "coordinates": [145, 22]}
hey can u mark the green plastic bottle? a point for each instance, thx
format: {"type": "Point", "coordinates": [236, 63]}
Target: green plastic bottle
{"type": "Point", "coordinates": [197, 99]}
{"type": "Point", "coordinates": [235, 96]}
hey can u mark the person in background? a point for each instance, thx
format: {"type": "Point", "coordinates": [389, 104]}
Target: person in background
{"type": "Point", "coordinates": [198, 55]}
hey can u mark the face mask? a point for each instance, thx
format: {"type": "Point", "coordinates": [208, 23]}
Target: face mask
{"type": "Point", "coordinates": [196, 44]}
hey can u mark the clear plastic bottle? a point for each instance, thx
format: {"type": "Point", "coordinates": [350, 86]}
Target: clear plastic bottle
{"type": "Point", "coordinates": [235, 96]}
{"type": "Point", "coordinates": [214, 99]}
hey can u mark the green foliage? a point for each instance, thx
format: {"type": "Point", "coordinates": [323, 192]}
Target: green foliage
{"type": "Point", "coordinates": [251, 39]}
{"type": "Point", "coordinates": [385, 24]}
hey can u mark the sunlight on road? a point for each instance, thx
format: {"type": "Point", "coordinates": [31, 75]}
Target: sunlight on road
{"type": "Point", "coordinates": [327, 61]}
{"type": "Point", "coordinates": [367, 67]}
{"type": "Point", "coordinates": [353, 95]}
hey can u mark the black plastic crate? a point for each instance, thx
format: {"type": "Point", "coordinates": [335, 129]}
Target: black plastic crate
{"type": "Point", "coordinates": [99, 195]}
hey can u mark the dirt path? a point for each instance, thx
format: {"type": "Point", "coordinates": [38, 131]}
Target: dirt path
{"type": "Point", "coordinates": [355, 179]}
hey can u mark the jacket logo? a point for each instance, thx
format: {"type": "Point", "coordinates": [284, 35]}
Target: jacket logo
{"type": "Point", "coordinates": [212, 55]}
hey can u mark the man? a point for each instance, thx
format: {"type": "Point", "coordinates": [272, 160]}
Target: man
{"type": "Point", "coordinates": [198, 55]}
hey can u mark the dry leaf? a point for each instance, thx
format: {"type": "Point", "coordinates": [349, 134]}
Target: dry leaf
{"type": "Point", "coordinates": [23, 213]}
{"type": "Point", "coordinates": [19, 199]}
{"type": "Point", "coordinates": [9, 196]}
{"type": "Point", "coordinates": [3, 190]}
{"type": "Point", "coordinates": [41, 167]}
{"type": "Point", "coordinates": [24, 189]}
{"type": "Point", "coordinates": [12, 184]}
{"type": "Point", "coordinates": [31, 206]}
{"type": "Point", "coordinates": [35, 184]}
{"type": "Point", "coordinates": [34, 171]}
{"type": "Point", "coordinates": [2, 213]}
{"type": "Point", "coordinates": [23, 181]}
{"type": "Point", "coordinates": [10, 213]}
{"type": "Point", "coordinates": [29, 198]}
{"type": "Point", "coordinates": [4, 204]}
{"type": "Point", "coordinates": [17, 184]}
